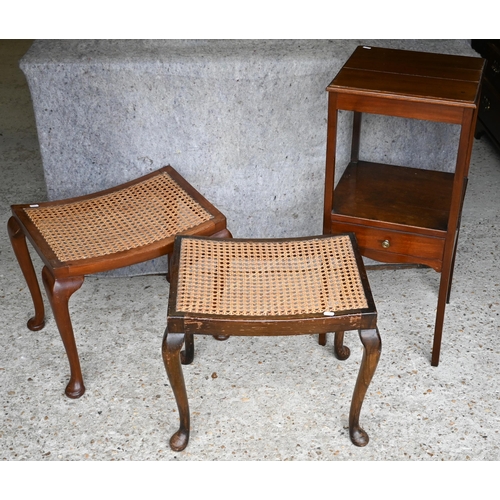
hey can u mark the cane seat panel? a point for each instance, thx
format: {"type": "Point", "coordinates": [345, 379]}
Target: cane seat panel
{"type": "Point", "coordinates": [275, 277]}
{"type": "Point", "coordinates": [132, 217]}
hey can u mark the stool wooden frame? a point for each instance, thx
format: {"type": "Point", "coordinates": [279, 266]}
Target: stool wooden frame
{"type": "Point", "coordinates": [128, 224]}
{"type": "Point", "coordinates": [205, 270]}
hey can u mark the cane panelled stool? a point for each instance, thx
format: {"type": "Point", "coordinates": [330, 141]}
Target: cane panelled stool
{"type": "Point", "coordinates": [244, 287]}
{"type": "Point", "coordinates": [131, 223]}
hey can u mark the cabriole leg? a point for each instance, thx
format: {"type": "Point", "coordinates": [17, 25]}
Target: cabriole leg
{"type": "Point", "coordinates": [59, 292]}
{"type": "Point", "coordinates": [171, 347]}
{"type": "Point", "coordinates": [18, 241]}
{"type": "Point", "coordinates": [341, 351]}
{"type": "Point", "coordinates": [371, 354]}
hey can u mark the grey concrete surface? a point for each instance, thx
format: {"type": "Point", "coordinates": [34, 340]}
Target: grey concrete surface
{"type": "Point", "coordinates": [262, 399]}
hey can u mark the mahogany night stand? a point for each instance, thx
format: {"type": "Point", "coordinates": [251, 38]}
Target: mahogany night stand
{"type": "Point", "coordinates": [401, 214]}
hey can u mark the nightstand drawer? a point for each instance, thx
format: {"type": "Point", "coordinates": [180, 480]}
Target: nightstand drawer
{"type": "Point", "coordinates": [394, 246]}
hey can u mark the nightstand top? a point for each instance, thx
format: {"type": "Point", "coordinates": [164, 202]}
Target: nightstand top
{"type": "Point", "coordinates": [405, 74]}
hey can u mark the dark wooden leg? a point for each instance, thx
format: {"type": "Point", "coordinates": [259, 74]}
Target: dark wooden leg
{"type": "Point", "coordinates": [220, 337]}
{"type": "Point", "coordinates": [444, 286]}
{"type": "Point", "coordinates": [169, 260]}
{"type": "Point", "coordinates": [448, 293]}
{"type": "Point", "coordinates": [171, 347]}
{"type": "Point", "coordinates": [59, 292]}
{"type": "Point", "coordinates": [225, 233]}
{"type": "Point", "coordinates": [18, 241]}
{"type": "Point", "coordinates": [322, 339]}
{"type": "Point", "coordinates": [341, 351]}
{"type": "Point", "coordinates": [187, 355]}
{"type": "Point", "coordinates": [371, 354]}
{"type": "Point", "coordinates": [444, 295]}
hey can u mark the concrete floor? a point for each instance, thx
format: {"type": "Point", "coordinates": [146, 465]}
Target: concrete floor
{"type": "Point", "coordinates": [256, 398]}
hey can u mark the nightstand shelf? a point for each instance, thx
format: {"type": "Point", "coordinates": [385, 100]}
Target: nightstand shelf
{"type": "Point", "coordinates": [407, 217]}
{"type": "Point", "coordinates": [402, 214]}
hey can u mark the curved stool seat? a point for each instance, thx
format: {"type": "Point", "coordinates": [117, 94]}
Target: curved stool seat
{"type": "Point", "coordinates": [125, 225]}
{"type": "Point", "coordinates": [244, 287]}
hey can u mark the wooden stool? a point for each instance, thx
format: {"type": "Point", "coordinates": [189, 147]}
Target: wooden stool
{"type": "Point", "coordinates": [131, 223]}
{"type": "Point", "coordinates": [268, 287]}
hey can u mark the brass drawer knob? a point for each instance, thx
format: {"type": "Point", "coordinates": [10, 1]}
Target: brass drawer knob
{"type": "Point", "coordinates": [386, 244]}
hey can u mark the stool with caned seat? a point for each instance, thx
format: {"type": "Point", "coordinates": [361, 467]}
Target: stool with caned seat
{"type": "Point", "coordinates": [128, 224]}
{"type": "Point", "coordinates": [245, 287]}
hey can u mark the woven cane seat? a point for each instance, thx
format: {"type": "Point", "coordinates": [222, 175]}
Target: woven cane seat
{"type": "Point", "coordinates": [275, 278]}
{"type": "Point", "coordinates": [131, 217]}
{"type": "Point", "coordinates": [124, 225]}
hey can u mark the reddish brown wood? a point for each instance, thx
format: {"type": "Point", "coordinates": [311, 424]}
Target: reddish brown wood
{"type": "Point", "coordinates": [18, 241]}
{"type": "Point", "coordinates": [372, 347]}
{"type": "Point", "coordinates": [387, 245]}
{"type": "Point", "coordinates": [187, 355]}
{"type": "Point", "coordinates": [421, 64]}
{"type": "Point", "coordinates": [413, 197]}
{"type": "Point", "coordinates": [59, 292]}
{"type": "Point", "coordinates": [384, 105]}
{"type": "Point", "coordinates": [399, 214]}
{"type": "Point", "coordinates": [331, 146]}
{"type": "Point", "coordinates": [62, 279]}
{"type": "Point", "coordinates": [341, 351]}
{"type": "Point", "coordinates": [171, 346]}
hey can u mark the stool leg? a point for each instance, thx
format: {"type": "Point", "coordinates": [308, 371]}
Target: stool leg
{"type": "Point", "coordinates": [169, 263]}
{"type": "Point", "coordinates": [170, 350]}
{"type": "Point", "coordinates": [322, 339]}
{"type": "Point", "coordinates": [18, 241]}
{"type": "Point", "coordinates": [371, 354]}
{"type": "Point", "coordinates": [59, 292]}
{"type": "Point", "coordinates": [225, 233]}
{"type": "Point", "coordinates": [340, 350]}
{"type": "Point", "coordinates": [187, 355]}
